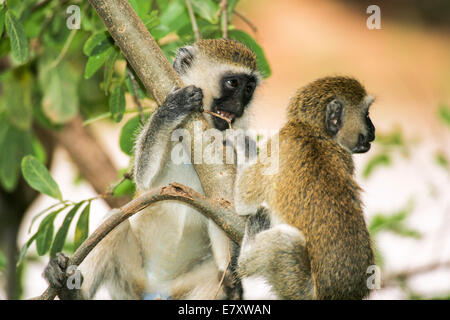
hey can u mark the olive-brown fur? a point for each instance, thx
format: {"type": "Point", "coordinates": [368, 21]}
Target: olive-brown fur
{"type": "Point", "coordinates": [314, 191]}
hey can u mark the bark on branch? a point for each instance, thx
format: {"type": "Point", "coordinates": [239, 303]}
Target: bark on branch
{"type": "Point", "coordinates": [219, 210]}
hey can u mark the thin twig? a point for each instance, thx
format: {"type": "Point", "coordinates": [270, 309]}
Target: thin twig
{"type": "Point", "coordinates": [247, 21]}
{"type": "Point", "coordinates": [193, 21]}
{"type": "Point", "coordinates": [134, 88]}
{"type": "Point", "coordinates": [223, 12]}
{"type": "Point", "coordinates": [390, 279]}
{"type": "Point", "coordinates": [63, 51]}
{"type": "Point", "coordinates": [219, 116]}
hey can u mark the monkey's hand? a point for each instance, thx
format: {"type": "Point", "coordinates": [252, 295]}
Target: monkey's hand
{"type": "Point", "coordinates": [181, 102]}
{"type": "Point", "coordinates": [57, 273]}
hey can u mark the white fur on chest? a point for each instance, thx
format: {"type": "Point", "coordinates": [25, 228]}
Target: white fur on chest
{"type": "Point", "coordinates": [174, 235]}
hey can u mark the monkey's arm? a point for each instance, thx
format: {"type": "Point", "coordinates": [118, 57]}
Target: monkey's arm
{"type": "Point", "coordinates": [154, 140]}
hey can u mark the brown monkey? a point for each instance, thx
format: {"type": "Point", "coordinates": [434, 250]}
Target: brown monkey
{"type": "Point", "coordinates": [318, 245]}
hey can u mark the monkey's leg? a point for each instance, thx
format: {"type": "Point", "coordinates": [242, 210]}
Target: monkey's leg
{"type": "Point", "coordinates": [277, 257]}
{"type": "Point", "coordinates": [224, 250]}
{"type": "Point", "coordinates": [152, 148]}
{"type": "Point", "coordinates": [116, 262]}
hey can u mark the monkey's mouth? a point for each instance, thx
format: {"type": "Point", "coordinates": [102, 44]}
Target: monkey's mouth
{"type": "Point", "coordinates": [363, 145]}
{"type": "Point", "coordinates": [222, 124]}
{"type": "Point", "coordinates": [226, 114]}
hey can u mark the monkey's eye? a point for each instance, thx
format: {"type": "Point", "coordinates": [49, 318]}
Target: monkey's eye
{"type": "Point", "coordinates": [232, 83]}
{"type": "Point", "coordinates": [249, 89]}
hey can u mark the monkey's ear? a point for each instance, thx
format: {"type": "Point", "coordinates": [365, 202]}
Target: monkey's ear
{"type": "Point", "coordinates": [183, 59]}
{"type": "Point", "coordinates": [333, 117]}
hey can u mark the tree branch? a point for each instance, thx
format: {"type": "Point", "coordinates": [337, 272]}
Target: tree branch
{"type": "Point", "coordinates": [247, 21]}
{"type": "Point", "coordinates": [223, 12]}
{"type": "Point", "coordinates": [218, 210]}
{"type": "Point", "coordinates": [193, 21]}
{"type": "Point", "coordinates": [159, 78]}
{"type": "Point", "coordinates": [390, 279]}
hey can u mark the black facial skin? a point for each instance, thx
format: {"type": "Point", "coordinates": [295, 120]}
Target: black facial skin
{"type": "Point", "coordinates": [364, 141]}
{"type": "Point", "coordinates": [236, 92]}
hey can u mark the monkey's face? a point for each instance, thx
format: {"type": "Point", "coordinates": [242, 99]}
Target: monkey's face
{"type": "Point", "coordinates": [351, 125]}
{"type": "Point", "coordinates": [225, 71]}
{"type": "Point", "coordinates": [236, 91]}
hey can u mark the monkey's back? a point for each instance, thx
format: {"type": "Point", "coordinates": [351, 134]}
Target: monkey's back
{"type": "Point", "coordinates": [326, 207]}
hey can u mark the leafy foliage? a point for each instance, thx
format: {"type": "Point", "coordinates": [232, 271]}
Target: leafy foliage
{"type": "Point", "coordinates": [38, 177]}
{"type": "Point", "coordinates": [2, 261]}
{"type": "Point", "coordinates": [58, 74]}
{"type": "Point", "coordinates": [444, 114]}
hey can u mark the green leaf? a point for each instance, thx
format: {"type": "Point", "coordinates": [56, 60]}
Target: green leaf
{"type": "Point", "coordinates": [172, 19]}
{"type": "Point", "coordinates": [376, 161]}
{"type": "Point", "coordinates": [117, 103]}
{"type": "Point", "coordinates": [2, 20]}
{"type": "Point", "coordinates": [441, 160]}
{"type": "Point", "coordinates": [45, 211]}
{"type": "Point", "coordinates": [394, 222]}
{"type": "Point", "coordinates": [18, 39]}
{"type": "Point", "coordinates": [14, 144]}
{"type": "Point", "coordinates": [97, 43]}
{"type": "Point", "coordinates": [2, 261]}
{"type": "Point", "coordinates": [60, 238]}
{"type": "Point", "coordinates": [38, 150]}
{"type": "Point", "coordinates": [394, 138]}
{"type": "Point", "coordinates": [95, 62]}
{"type": "Point", "coordinates": [60, 101]}
{"type": "Point", "coordinates": [38, 177]}
{"type": "Point", "coordinates": [444, 114]}
{"type": "Point", "coordinates": [245, 38]}
{"type": "Point", "coordinates": [109, 70]}
{"type": "Point", "coordinates": [142, 7]}
{"type": "Point", "coordinates": [129, 134]}
{"type": "Point", "coordinates": [127, 187]}
{"type": "Point", "coordinates": [34, 23]}
{"type": "Point", "coordinates": [18, 107]}
{"type": "Point", "coordinates": [207, 9]}
{"type": "Point", "coordinates": [82, 228]}
{"type": "Point", "coordinates": [231, 5]}
{"type": "Point", "coordinates": [45, 233]}
{"type": "Point", "coordinates": [25, 248]}
{"type": "Point", "coordinates": [151, 20]}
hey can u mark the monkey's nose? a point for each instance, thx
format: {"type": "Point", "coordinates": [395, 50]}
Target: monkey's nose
{"type": "Point", "coordinates": [371, 135]}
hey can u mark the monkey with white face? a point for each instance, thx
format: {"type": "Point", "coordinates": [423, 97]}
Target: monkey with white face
{"type": "Point", "coordinates": [306, 237]}
{"type": "Point", "coordinates": [170, 249]}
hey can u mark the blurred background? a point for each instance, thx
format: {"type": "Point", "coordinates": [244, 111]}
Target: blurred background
{"type": "Point", "coordinates": [405, 177]}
